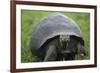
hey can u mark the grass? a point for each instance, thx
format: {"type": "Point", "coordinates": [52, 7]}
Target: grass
{"type": "Point", "coordinates": [30, 19]}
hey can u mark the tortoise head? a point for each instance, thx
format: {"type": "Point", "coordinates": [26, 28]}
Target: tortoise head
{"type": "Point", "coordinates": [71, 48]}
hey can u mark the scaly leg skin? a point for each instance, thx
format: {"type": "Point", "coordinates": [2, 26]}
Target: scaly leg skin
{"type": "Point", "coordinates": [51, 53]}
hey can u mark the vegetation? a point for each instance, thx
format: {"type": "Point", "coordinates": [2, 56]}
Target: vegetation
{"type": "Point", "coordinates": [29, 20]}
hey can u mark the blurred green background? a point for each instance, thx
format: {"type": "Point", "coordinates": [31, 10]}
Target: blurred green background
{"type": "Point", "coordinates": [29, 20]}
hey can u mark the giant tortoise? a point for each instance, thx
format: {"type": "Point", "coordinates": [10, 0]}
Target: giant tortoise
{"type": "Point", "coordinates": [57, 38]}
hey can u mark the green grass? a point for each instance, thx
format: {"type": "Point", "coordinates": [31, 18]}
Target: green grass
{"type": "Point", "coordinates": [29, 20]}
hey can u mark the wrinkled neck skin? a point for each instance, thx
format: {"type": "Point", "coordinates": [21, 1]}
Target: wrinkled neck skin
{"type": "Point", "coordinates": [64, 40]}
{"type": "Point", "coordinates": [65, 50]}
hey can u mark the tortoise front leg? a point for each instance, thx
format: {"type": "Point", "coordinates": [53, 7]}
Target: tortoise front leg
{"type": "Point", "coordinates": [51, 53]}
